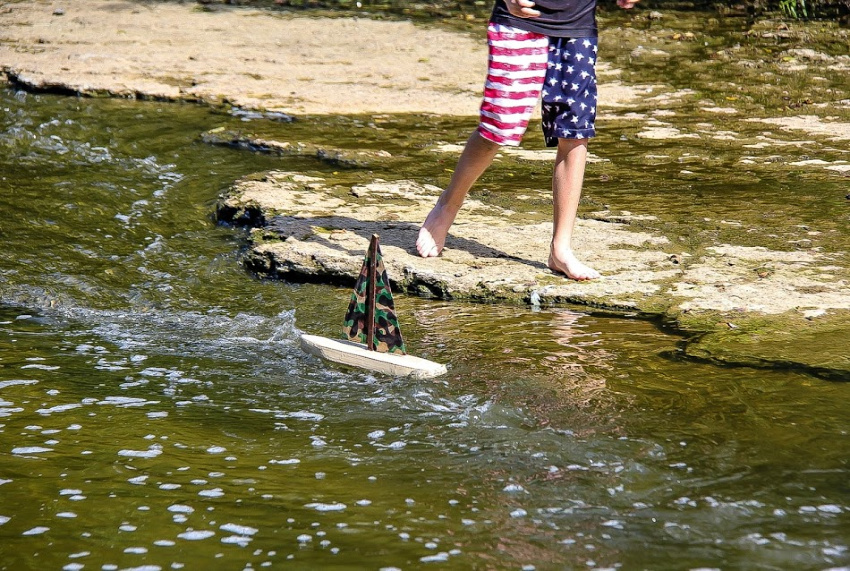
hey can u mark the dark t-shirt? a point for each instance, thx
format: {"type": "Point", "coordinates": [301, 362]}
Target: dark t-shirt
{"type": "Point", "coordinates": [559, 18]}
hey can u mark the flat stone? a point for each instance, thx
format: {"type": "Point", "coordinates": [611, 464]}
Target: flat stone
{"type": "Point", "coordinates": [308, 229]}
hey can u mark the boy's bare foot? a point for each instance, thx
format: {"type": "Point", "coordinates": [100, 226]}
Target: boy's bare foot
{"type": "Point", "coordinates": [566, 263]}
{"type": "Point", "coordinates": [432, 235]}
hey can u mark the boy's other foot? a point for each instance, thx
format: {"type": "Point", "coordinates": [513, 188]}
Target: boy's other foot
{"type": "Point", "coordinates": [566, 263]}
{"type": "Point", "coordinates": [432, 235]}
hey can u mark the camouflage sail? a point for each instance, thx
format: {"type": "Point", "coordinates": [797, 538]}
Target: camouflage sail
{"type": "Point", "coordinates": [372, 300]}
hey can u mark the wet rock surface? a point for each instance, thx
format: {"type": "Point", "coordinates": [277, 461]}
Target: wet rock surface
{"type": "Point", "coordinates": [732, 299]}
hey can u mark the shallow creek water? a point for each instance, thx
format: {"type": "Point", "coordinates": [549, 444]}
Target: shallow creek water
{"type": "Point", "coordinates": [156, 411]}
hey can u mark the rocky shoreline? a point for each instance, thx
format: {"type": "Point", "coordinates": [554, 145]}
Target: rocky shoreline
{"type": "Point", "coordinates": [735, 304]}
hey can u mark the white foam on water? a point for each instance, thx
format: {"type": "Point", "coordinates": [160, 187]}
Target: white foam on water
{"type": "Point", "coordinates": [136, 550]}
{"type": "Point", "coordinates": [179, 508]}
{"type": "Point", "coordinates": [31, 450]}
{"type": "Point", "coordinates": [304, 538]}
{"type": "Point", "coordinates": [376, 434]}
{"type": "Point", "coordinates": [302, 415]}
{"type": "Point", "coordinates": [68, 515]}
{"type": "Point", "coordinates": [4, 519]}
{"type": "Point", "coordinates": [36, 530]}
{"type": "Point", "coordinates": [158, 414]}
{"type": "Point", "coordinates": [169, 486]}
{"type": "Point", "coordinates": [213, 493]}
{"type": "Point", "coordinates": [69, 492]}
{"type": "Point", "coordinates": [164, 543]}
{"type": "Point", "coordinates": [138, 480]}
{"type": "Point", "coordinates": [397, 445]}
{"type": "Point", "coordinates": [126, 402]}
{"type": "Point", "coordinates": [513, 488]}
{"type": "Point", "coordinates": [439, 557]}
{"type": "Point", "coordinates": [151, 452]}
{"type": "Point", "coordinates": [17, 382]}
{"type": "Point", "coordinates": [289, 461]}
{"type": "Point", "coordinates": [216, 449]}
{"type": "Point", "coordinates": [363, 502]}
{"type": "Point", "coordinates": [830, 509]}
{"type": "Point", "coordinates": [193, 535]}
{"type": "Point", "coordinates": [519, 512]}
{"type": "Point", "coordinates": [40, 366]}
{"type": "Point", "coordinates": [239, 529]}
{"type": "Point", "coordinates": [73, 567]}
{"type": "Point", "coordinates": [240, 540]}
{"type": "Point", "coordinates": [79, 554]}
{"type": "Point", "coordinates": [127, 527]}
{"type": "Point", "coordinates": [2, 481]}
{"type": "Point", "coordinates": [320, 507]}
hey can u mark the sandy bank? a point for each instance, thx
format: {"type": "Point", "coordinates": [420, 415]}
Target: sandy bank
{"type": "Point", "coordinates": [249, 58]}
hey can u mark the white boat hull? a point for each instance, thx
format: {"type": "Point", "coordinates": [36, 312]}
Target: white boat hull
{"type": "Point", "coordinates": [356, 355]}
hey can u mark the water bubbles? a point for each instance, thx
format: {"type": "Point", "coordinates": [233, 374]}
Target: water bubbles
{"type": "Point", "coordinates": [38, 530]}
{"type": "Point", "coordinates": [28, 450]}
{"type": "Point", "coordinates": [164, 543]}
{"type": "Point", "coordinates": [152, 452]}
{"type": "Point", "coordinates": [320, 507]}
{"type": "Point", "coordinates": [192, 535]}
{"type": "Point", "coordinates": [239, 529]}
{"type": "Point", "coordinates": [4, 519]}
{"type": "Point", "coordinates": [363, 502]}
{"type": "Point", "coordinates": [216, 450]}
{"type": "Point", "coordinates": [213, 493]}
{"type": "Point", "coordinates": [304, 538]}
{"type": "Point", "coordinates": [138, 480]}
{"type": "Point", "coordinates": [376, 434]}
{"type": "Point", "coordinates": [513, 488]}
{"type": "Point", "coordinates": [178, 508]}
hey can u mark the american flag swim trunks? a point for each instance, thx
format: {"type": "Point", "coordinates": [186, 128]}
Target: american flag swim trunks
{"type": "Point", "coordinates": [525, 65]}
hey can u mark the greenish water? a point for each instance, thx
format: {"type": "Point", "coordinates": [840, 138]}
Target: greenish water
{"type": "Point", "coordinates": [156, 412]}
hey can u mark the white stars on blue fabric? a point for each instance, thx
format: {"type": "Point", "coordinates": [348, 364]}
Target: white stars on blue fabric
{"type": "Point", "coordinates": [569, 97]}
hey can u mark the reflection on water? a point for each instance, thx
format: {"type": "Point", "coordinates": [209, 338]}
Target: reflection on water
{"type": "Point", "coordinates": [156, 412]}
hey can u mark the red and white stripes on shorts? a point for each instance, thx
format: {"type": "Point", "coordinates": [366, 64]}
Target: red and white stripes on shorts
{"type": "Point", "coordinates": [517, 68]}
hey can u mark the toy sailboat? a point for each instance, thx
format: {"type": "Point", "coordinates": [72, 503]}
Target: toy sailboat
{"type": "Point", "coordinates": [374, 337]}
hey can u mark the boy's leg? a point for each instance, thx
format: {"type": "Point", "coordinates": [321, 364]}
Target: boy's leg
{"type": "Point", "coordinates": [476, 157]}
{"type": "Point", "coordinates": [569, 116]}
{"type": "Point", "coordinates": [517, 66]}
{"type": "Point", "coordinates": [567, 180]}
